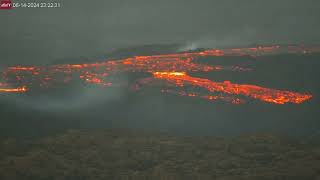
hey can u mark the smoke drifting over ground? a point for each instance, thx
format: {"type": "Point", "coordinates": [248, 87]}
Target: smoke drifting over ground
{"type": "Point", "coordinates": [79, 99]}
{"type": "Point", "coordinates": [79, 31]}
{"type": "Point", "coordinates": [89, 105]}
{"type": "Point", "coordinates": [219, 68]}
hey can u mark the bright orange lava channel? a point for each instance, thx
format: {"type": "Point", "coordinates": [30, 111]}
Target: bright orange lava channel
{"type": "Point", "coordinates": [252, 91]}
{"type": "Point", "coordinates": [15, 90]}
{"type": "Point", "coordinates": [171, 68]}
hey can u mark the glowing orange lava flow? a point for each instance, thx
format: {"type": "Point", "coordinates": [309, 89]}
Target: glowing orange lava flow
{"type": "Point", "coordinates": [255, 92]}
{"type": "Point", "coordinates": [170, 67]}
{"type": "Point", "coordinates": [14, 90]}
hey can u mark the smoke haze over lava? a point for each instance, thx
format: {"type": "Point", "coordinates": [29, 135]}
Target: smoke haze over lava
{"type": "Point", "coordinates": [98, 65]}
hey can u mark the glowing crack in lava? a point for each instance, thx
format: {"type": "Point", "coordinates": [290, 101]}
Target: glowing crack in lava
{"type": "Point", "coordinates": [171, 68]}
{"type": "Point", "coordinates": [264, 94]}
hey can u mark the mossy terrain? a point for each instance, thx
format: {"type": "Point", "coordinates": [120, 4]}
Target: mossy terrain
{"type": "Point", "coordinates": [128, 156]}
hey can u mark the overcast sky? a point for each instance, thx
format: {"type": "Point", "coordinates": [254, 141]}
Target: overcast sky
{"type": "Point", "coordinates": [83, 28]}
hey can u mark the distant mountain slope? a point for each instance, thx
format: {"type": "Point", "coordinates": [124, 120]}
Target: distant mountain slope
{"type": "Point", "coordinates": [130, 51]}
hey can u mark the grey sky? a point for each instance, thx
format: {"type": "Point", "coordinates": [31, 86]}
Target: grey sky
{"type": "Point", "coordinates": [85, 28]}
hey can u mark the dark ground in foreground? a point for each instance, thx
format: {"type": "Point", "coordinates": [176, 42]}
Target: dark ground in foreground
{"type": "Point", "coordinates": [126, 155]}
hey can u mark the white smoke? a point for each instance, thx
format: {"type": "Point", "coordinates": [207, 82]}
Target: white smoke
{"type": "Point", "coordinates": [246, 37]}
{"type": "Point", "coordinates": [189, 47]}
{"type": "Point", "coordinates": [79, 97]}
